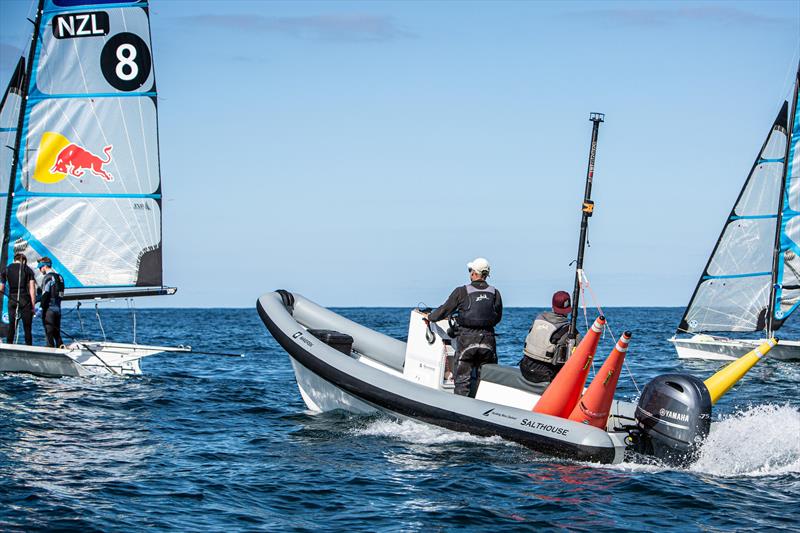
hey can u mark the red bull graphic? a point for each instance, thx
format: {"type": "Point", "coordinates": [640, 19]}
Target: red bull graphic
{"type": "Point", "coordinates": [75, 161]}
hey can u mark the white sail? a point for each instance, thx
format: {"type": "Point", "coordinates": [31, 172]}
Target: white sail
{"type": "Point", "coordinates": [733, 292]}
{"type": "Point", "coordinates": [787, 292]}
{"type": "Point", "coordinates": [87, 189]}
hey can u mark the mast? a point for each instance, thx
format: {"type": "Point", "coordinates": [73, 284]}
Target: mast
{"type": "Point", "coordinates": [776, 249]}
{"type": "Point", "coordinates": [12, 178]}
{"type": "Point", "coordinates": [587, 209]}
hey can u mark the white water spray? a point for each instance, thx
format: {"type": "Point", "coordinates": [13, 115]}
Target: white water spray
{"type": "Point", "coordinates": [760, 441]}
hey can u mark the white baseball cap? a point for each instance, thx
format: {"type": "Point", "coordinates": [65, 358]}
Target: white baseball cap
{"type": "Point", "coordinates": [479, 265]}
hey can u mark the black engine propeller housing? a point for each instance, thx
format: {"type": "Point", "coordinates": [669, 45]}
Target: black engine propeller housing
{"type": "Point", "coordinates": [673, 418]}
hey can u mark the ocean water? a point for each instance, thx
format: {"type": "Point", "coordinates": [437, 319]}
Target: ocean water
{"type": "Point", "coordinates": [221, 443]}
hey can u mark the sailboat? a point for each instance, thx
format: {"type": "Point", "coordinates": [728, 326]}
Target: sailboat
{"type": "Point", "coordinates": [751, 282]}
{"type": "Point", "coordinates": [83, 185]}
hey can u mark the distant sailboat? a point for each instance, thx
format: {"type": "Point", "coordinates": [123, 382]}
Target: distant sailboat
{"type": "Point", "coordinates": [83, 184]}
{"type": "Point", "coordinates": [752, 279]}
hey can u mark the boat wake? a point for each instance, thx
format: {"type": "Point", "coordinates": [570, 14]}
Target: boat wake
{"type": "Point", "coordinates": [759, 441]}
{"type": "Point", "coordinates": [762, 440]}
{"type": "Point", "coordinates": [418, 433]}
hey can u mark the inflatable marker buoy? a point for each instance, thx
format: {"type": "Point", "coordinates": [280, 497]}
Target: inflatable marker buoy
{"type": "Point", "coordinates": [562, 394]}
{"type": "Point", "coordinates": [724, 379]}
{"type": "Point", "coordinates": [594, 406]}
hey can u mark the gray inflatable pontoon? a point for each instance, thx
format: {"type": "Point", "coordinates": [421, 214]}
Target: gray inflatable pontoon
{"type": "Point", "coordinates": [406, 380]}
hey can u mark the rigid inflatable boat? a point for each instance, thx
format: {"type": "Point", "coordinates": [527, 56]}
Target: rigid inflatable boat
{"type": "Point", "coordinates": [340, 364]}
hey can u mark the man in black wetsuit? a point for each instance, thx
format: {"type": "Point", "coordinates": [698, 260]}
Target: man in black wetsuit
{"type": "Point", "coordinates": [52, 292]}
{"type": "Point", "coordinates": [18, 284]}
{"type": "Point", "coordinates": [477, 308]}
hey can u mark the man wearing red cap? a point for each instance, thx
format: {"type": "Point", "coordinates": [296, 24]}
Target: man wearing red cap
{"type": "Point", "coordinates": [546, 344]}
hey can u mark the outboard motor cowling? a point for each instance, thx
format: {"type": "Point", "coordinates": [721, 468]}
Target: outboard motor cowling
{"type": "Point", "coordinates": [673, 417]}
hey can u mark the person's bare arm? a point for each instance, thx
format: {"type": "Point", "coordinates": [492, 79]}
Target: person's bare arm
{"type": "Point", "coordinates": [32, 290]}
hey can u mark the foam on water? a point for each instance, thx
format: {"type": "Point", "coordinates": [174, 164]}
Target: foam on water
{"type": "Point", "coordinates": [418, 433]}
{"type": "Point", "coordinates": [762, 440]}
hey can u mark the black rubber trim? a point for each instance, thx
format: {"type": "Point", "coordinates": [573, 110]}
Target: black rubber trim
{"type": "Point", "coordinates": [428, 413]}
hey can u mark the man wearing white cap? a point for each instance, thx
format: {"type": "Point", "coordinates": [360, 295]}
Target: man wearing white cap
{"type": "Point", "coordinates": [477, 308]}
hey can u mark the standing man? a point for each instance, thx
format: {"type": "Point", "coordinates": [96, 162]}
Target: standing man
{"type": "Point", "coordinates": [18, 283]}
{"type": "Point", "coordinates": [477, 308]}
{"type": "Point", "coordinates": [546, 345]}
{"type": "Point", "coordinates": [52, 292]}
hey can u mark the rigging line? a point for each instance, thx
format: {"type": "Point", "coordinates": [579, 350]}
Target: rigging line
{"type": "Point", "coordinates": [80, 319]}
{"type": "Point", "coordinates": [99, 321]}
{"type": "Point", "coordinates": [608, 325]}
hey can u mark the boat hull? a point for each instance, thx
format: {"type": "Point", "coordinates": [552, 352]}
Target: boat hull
{"type": "Point", "coordinates": [83, 358]}
{"type": "Point", "coordinates": [714, 349]}
{"type": "Point", "coordinates": [329, 379]}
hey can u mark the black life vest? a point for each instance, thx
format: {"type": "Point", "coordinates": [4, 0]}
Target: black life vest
{"type": "Point", "coordinates": [478, 311]}
{"type": "Point", "coordinates": [56, 289]}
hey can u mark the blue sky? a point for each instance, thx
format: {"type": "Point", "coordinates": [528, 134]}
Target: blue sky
{"type": "Point", "coordinates": [362, 152]}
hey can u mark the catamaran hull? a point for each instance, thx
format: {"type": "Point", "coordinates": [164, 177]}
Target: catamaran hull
{"type": "Point", "coordinates": [713, 349]}
{"type": "Point", "coordinates": [329, 380]}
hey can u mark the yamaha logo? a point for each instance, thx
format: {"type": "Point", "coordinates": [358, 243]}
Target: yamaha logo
{"type": "Point", "coordinates": [683, 417]}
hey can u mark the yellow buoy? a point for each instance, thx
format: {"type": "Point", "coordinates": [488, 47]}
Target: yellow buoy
{"type": "Point", "coordinates": [724, 379]}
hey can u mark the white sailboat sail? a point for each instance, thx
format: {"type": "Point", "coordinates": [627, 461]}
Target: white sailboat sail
{"type": "Point", "coordinates": [787, 289]}
{"type": "Point", "coordinates": [9, 118]}
{"type": "Point", "coordinates": [734, 290]}
{"type": "Point", "coordinates": [87, 186]}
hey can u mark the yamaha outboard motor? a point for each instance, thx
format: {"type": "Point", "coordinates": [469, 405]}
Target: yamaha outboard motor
{"type": "Point", "coordinates": [673, 417]}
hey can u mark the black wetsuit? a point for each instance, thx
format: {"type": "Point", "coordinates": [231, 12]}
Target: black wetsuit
{"type": "Point", "coordinates": [52, 291]}
{"type": "Point", "coordinates": [16, 279]}
{"type": "Point", "coordinates": [475, 340]}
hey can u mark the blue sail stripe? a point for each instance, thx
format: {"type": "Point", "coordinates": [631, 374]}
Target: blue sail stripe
{"type": "Point", "coordinates": [29, 194]}
{"type": "Point", "coordinates": [734, 276]}
{"type": "Point", "coordinates": [7, 129]}
{"type": "Point", "coordinates": [39, 96]}
{"type": "Point", "coordinates": [770, 160]}
{"type": "Point", "coordinates": [753, 217]}
{"type": "Point", "coordinates": [72, 5]}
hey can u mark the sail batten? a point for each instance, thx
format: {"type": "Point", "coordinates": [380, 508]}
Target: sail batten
{"type": "Point", "coordinates": [87, 186]}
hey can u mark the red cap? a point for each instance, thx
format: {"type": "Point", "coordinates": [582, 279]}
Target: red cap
{"type": "Point", "coordinates": [561, 303]}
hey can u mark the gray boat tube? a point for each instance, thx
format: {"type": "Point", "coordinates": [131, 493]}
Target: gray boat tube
{"type": "Point", "coordinates": [287, 316]}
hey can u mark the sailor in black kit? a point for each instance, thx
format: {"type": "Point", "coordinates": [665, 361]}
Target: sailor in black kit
{"type": "Point", "coordinates": [477, 308]}
{"type": "Point", "coordinates": [18, 284]}
{"type": "Point", "coordinates": [52, 292]}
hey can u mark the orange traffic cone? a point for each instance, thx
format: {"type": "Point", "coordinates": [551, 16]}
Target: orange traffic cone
{"type": "Point", "coordinates": [595, 405]}
{"type": "Point", "coordinates": [562, 394]}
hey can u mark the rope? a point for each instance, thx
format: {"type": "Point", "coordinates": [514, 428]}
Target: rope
{"type": "Point", "coordinates": [97, 314]}
{"type": "Point", "coordinates": [78, 309]}
{"type": "Point", "coordinates": [132, 306]}
{"type": "Point", "coordinates": [584, 281]}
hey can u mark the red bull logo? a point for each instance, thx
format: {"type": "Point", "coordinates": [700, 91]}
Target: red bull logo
{"type": "Point", "coordinates": [59, 157]}
{"type": "Point", "coordinates": [75, 161]}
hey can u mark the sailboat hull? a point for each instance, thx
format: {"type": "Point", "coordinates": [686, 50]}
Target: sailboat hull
{"type": "Point", "coordinates": [716, 349]}
{"type": "Point", "coordinates": [79, 359]}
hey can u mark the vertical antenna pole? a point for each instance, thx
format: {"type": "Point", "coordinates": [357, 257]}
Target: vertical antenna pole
{"type": "Point", "coordinates": [587, 209]}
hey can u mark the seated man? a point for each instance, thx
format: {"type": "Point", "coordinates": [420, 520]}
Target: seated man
{"type": "Point", "coordinates": [546, 345]}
